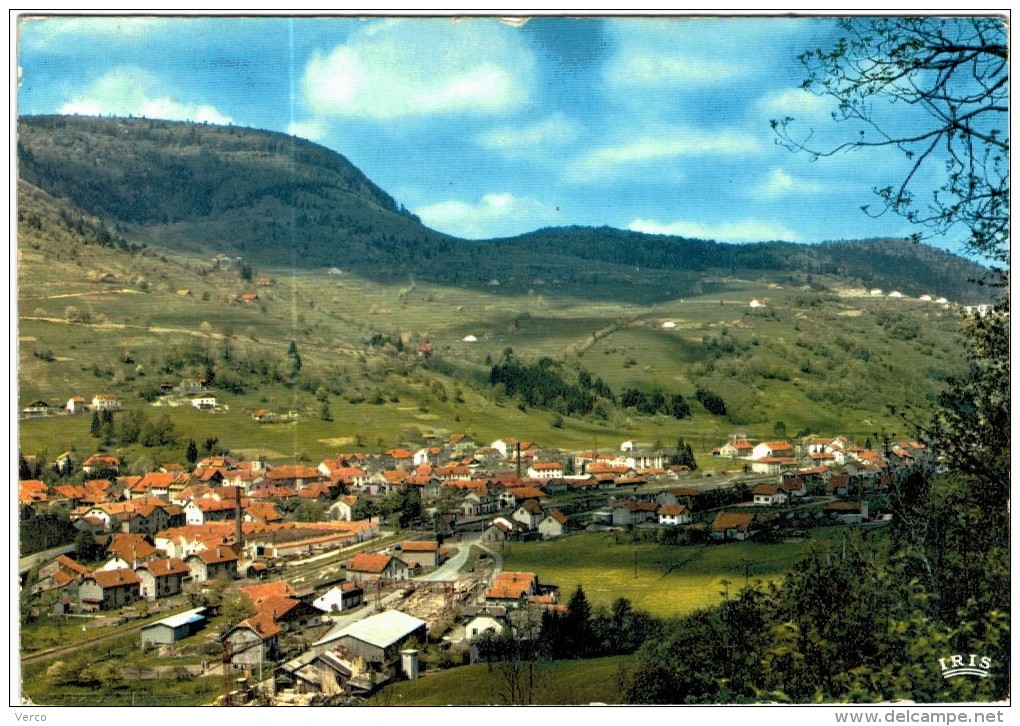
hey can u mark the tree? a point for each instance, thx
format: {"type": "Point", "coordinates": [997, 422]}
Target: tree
{"type": "Point", "coordinates": [948, 78]}
{"type": "Point", "coordinates": [191, 452]}
{"type": "Point", "coordinates": [577, 626]}
{"type": "Point", "coordinates": [86, 549]}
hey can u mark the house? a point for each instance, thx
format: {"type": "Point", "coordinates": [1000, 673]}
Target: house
{"type": "Point", "coordinates": [211, 509]}
{"type": "Point", "coordinates": [772, 449]}
{"type": "Point", "coordinates": [793, 485]}
{"type": "Point", "coordinates": [428, 455]}
{"type": "Point", "coordinates": [773, 465]}
{"type": "Point", "coordinates": [737, 449]}
{"type": "Point", "coordinates": [485, 619]}
{"type": "Point", "coordinates": [769, 495]}
{"type": "Point", "coordinates": [252, 642]}
{"type": "Point", "coordinates": [174, 628]}
{"type": "Point", "coordinates": [529, 514]}
{"type": "Point", "coordinates": [290, 613]}
{"type": "Point", "coordinates": [630, 513]}
{"type": "Point", "coordinates": [345, 596]}
{"type": "Point", "coordinates": [513, 589]}
{"type": "Point", "coordinates": [478, 503]}
{"type": "Point", "coordinates": [204, 402]}
{"type": "Point", "coordinates": [673, 515]}
{"type": "Point", "coordinates": [108, 590]}
{"type": "Point", "coordinates": [162, 578]}
{"type": "Point", "coordinates": [342, 509]}
{"type": "Point", "coordinates": [545, 470]}
{"type": "Point", "coordinates": [838, 485]}
{"type": "Point", "coordinates": [75, 404]}
{"type": "Point", "coordinates": [499, 531]}
{"type": "Point", "coordinates": [848, 512]}
{"type": "Point", "coordinates": [63, 573]}
{"type": "Point", "coordinates": [517, 495]}
{"type": "Point", "coordinates": [553, 524]}
{"type": "Point", "coordinates": [462, 443]}
{"type": "Point", "coordinates": [32, 490]}
{"type": "Point", "coordinates": [293, 476]}
{"type": "Point", "coordinates": [421, 554]}
{"type": "Point", "coordinates": [130, 550]}
{"type": "Point", "coordinates": [378, 639]}
{"type": "Point", "coordinates": [399, 458]}
{"type": "Point", "coordinates": [97, 462]}
{"type": "Point", "coordinates": [209, 564]}
{"type": "Point", "coordinates": [369, 567]}
{"type": "Point", "coordinates": [732, 525]}
{"type": "Point", "coordinates": [268, 590]}
{"type": "Point", "coordinates": [105, 402]}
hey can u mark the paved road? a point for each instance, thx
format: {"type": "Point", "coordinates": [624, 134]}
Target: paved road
{"type": "Point", "coordinates": [29, 561]}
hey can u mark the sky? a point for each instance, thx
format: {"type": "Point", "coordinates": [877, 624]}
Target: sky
{"type": "Point", "coordinates": [488, 127]}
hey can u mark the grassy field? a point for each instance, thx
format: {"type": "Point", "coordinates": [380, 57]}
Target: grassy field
{"type": "Point", "coordinates": [814, 362]}
{"type": "Point", "coordinates": [557, 683]}
{"type": "Point", "coordinates": [664, 581]}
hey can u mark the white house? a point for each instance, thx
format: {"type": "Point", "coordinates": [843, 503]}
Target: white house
{"type": "Point", "coordinates": [75, 404]}
{"type": "Point", "coordinates": [674, 515]}
{"type": "Point", "coordinates": [105, 402]}
{"type": "Point", "coordinates": [553, 525]}
{"type": "Point", "coordinates": [205, 401]}
{"type": "Point", "coordinates": [545, 470]}
{"type": "Point", "coordinates": [768, 495]}
{"type": "Point", "coordinates": [772, 449]}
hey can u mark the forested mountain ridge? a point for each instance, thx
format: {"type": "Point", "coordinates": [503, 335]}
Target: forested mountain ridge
{"type": "Point", "coordinates": [280, 200]}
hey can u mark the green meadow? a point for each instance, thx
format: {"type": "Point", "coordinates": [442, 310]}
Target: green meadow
{"type": "Point", "coordinates": [564, 683]}
{"type": "Point", "coordinates": [665, 581]}
{"type": "Point", "coordinates": [808, 361]}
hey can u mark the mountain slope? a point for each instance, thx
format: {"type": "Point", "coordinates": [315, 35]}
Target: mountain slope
{"type": "Point", "coordinates": [282, 201]}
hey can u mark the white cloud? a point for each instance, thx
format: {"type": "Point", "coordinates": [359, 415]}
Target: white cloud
{"type": "Point", "coordinates": [402, 69]}
{"type": "Point", "coordinates": [747, 230]}
{"type": "Point", "coordinates": [660, 70]}
{"type": "Point", "coordinates": [780, 184]}
{"type": "Point", "coordinates": [52, 33]}
{"type": "Point", "coordinates": [669, 144]}
{"type": "Point", "coordinates": [494, 215]}
{"type": "Point", "coordinates": [556, 130]}
{"type": "Point", "coordinates": [129, 91]}
{"type": "Point", "coordinates": [311, 130]}
{"type": "Point", "coordinates": [797, 103]}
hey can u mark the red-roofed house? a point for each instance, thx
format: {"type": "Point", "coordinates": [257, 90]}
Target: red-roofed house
{"type": "Point", "coordinates": [674, 515]}
{"type": "Point", "coordinates": [529, 514]}
{"type": "Point", "coordinates": [768, 495]}
{"type": "Point", "coordinates": [267, 590]}
{"type": "Point", "coordinates": [162, 578]}
{"type": "Point", "coordinates": [513, 589]}
{"type": "Point", "coordinates": [773, 449]}
{"type": "Point", "coordinates": [212, 563]}
{"type": "Point", "coordinates": [554, 524]}
{"type": "Point", "coordinates": [421, 554]}
{"type": "Point", "coordinates": [108, 590]}
{"type": "Point", "coordinates": [252, 642]}
{"type": "Point", "coordinates": [367, 566]}
{"type": "Point", "coordinates": [545, 470]}
{"type": "Point", "coordinates": [732, 525]}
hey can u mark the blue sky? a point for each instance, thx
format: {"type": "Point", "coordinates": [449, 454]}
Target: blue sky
{"type": "Point", "coordinates": [488, 128]}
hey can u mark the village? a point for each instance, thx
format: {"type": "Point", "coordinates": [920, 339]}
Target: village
{"type": "Point", "coordinates": [348, 569]}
